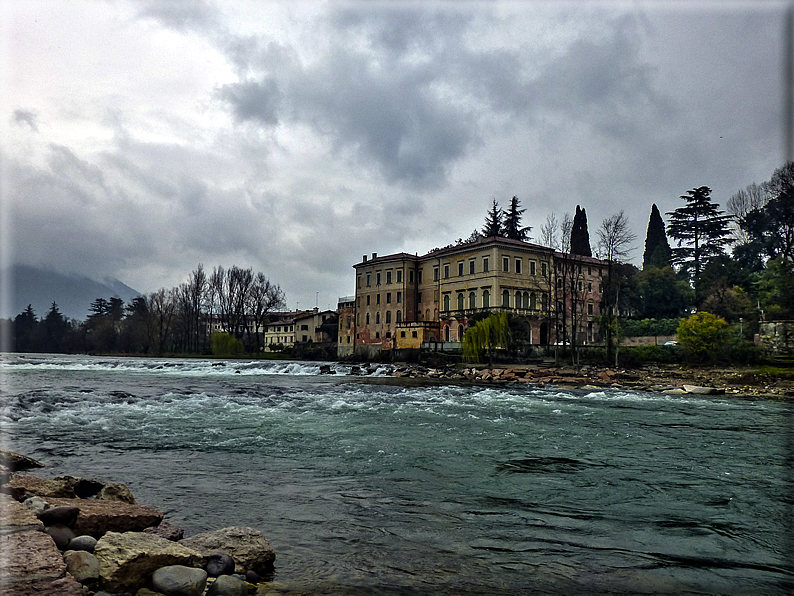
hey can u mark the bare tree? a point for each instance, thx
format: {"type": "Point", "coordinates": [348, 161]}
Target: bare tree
{"type": "Point", "coordinates": [614, 246]}
{"type": "Point", "coordinates": [548, 232]}
{"type": "Point", "coordinates": [745, 201]}
{"type": "Point", "coordinates": [263, 298]}
{"type": "Point", "coordinates": [161, 308]}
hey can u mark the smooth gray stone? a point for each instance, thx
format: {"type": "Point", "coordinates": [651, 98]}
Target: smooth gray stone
{"type": "Point", "coordinates": [219, 563]}
{"type": "Point", "coordinates": [178, 580]}
{"type": "Point", "coordinates": [85, 543]}
{"type": "Point", "coordinates": [228, 585]}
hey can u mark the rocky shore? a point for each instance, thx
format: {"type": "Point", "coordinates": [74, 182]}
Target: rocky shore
{"type": "Point", "coordinates": [81, 537]}
{"type": "Point", "coordinates": [669, 379]}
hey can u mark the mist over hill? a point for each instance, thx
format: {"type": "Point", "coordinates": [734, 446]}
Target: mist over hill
{"type": "Point", "coordinates": [72, 293]}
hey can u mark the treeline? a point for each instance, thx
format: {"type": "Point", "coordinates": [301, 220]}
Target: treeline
{"type": "Point", "coordinates": [234, 301]}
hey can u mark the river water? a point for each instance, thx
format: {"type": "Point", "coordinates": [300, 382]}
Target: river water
{"type": "Point", "coordinates": [374, 485]}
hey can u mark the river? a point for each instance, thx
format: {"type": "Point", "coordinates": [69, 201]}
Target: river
{"type": "Point", "coordinates": [375, 485]}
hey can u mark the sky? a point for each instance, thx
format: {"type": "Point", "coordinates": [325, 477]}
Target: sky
{"type": "Point", "coordinates": [139, 138]}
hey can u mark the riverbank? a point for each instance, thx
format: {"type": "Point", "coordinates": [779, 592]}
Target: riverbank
{"type": "Point", "coordinates": [671, 379]}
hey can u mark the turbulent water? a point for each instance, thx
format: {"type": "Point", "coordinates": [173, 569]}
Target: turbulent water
{"type": "Point", "coordinates": [368, 485]}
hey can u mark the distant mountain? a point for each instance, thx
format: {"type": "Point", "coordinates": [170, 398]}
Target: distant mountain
{"type": "Point", "coordinates": [72, 293]}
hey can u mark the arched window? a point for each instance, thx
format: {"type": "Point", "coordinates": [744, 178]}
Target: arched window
{"type": "Point", "coordinates": [533, 301]}
{"type": "Point", "coordinates": [460, 301]}
{"type": "Point", "coordinates": [486, 299]}
{"type": "Point", "coordinates": [399, 316]}
{"type": "Point", "coordinates": [388, 317]}
{"type": "Point", "coordinates": [460, 332]}
{"type": "Point", "coordinates": [377, 318]}
{"type": "Point", "coordinates": [446, 332]}
{"type": "Point", "coordinates": [544, 300]}
{"type": "Point", "coordinates": [518, 300]}
{"type": "Point", "coordinates": [427, 315]}
{"type": "Point", "coordinates": [505, 299]}
{"type": "Point", "coordinates": [472, 300]}
{"type": "Point", "coordinates": [446, 302]}
{"type": "Point", "coordinates": [367, 318]}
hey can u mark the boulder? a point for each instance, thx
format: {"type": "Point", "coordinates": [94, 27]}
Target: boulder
{"type": "Point", "coordinates": [15, 461]}
{"type": "Point", "coordinates": [166, 530]}
{"type": "Point", "coordinates": [219, 564]}
{"type": "Point", "coordinates": [60, 534]}
{"type": "Point", "coordinates": [85, 543]}
{"type": "Point", "coordinates": [178, 580]}
{"type": "Point", "coordinates": [116, 491]}
{"type": "Point", "coordinates": [97, 517]}
{"type": "Point", "coordinates": [228, 585]}
{"type": "Point", "coordinates": [697, 390]}
{"type": "Point", "coordinates": [59, 515]}
{"type": "Point", "coordinates": [30, 557]}
{"type": "Point", "coordinates": [65, 487]}
{"type": "Point", "coordinates": [127, 560]}
{"type": "Point", "coordinates": [83, 566]}
{"type": "Point", "coordinates": [64, 586]}
{"type": "Point", "coordinates": [15, 517]}
{"type": "Point", "coordinates": [247, 546]}
{"type": "Point", "coordinates": [37, 505]}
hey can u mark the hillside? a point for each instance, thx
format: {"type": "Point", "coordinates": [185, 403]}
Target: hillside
{"type": "Point", "coordinates": [72, 293]}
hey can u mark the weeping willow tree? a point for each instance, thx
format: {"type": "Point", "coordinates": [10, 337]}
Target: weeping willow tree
{"type": "Point", "coordinates": [483, 337]}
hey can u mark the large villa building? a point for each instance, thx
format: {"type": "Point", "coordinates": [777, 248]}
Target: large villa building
{"type": "Point", "coordinates": [407, 302]}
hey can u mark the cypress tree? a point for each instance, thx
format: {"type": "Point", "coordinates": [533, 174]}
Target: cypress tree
{"type": "Point", "coordinates": [580, 237]}
{"type": "Point", "coordinates": [657, 248]}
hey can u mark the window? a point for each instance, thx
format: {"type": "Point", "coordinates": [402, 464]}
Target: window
{"type": "Point", "coordinates": [305, 338]}
{"type": "Point", "coordinates": [589, 270]}
{"type": "Point", "coordinates": [413, 334]}
{"type": "Point", "coordinates": [589, 286]}
{"type": "Point", "coordinates": [518, 300]}
{"type": "Point", "coordinates": [411, 276]}
{"type": "Point", "coordinates": [543, 269]}
{"type": "Point", "coordinates": [419, 298]}
{"type": "Point", "coordinates": [446, 271]}
{"type": "Point", "coordinates": [506, 264]}
{"type": "Point", "coordinates": [600, 288]}
{"type": "Point", "coordinates": [544, 300]}
{"type": "Point", "coordinates": [402, 333]}
{"type": "Point", "coordinates": [388, 317]}
{"type": "Point", "coordinates": [420, 276]}
{"type": "Point", "coordinates": [460, 268]}
{"type": "Point", "coordinates": [446, 302]}
{"type": "Point", "coordinates": [579, 286]}
{"type": "Point", "coordinates": [377, 299]}
{"type": "Point", "coordinates": [486, 299]}
{"type": "Point", "coordinates": [377, 318]}
{"type": "Point", "coordinates": [460, 301]}
{"type": "Point", "coordinates": [388, 297]}
{"type": "Point", "coordinates": [446, 332]}
{"type": "Point", "coordinates": [518, 266]}
{"type": "Point", "coordinates": [505, 299]}
{"type": "Point", "coordinates": [485, 265]}
{"type": "Point", "coordinates": [304, 327]}
{"type": "Point", "coordinates": [399, 276]}
{"type": "Point", "coordinates": [377, 279]}
{"type": "Point", "coordinates": [388, 277]}
{"type": "Point", "coordinates": [368, 297]}
{"type": "Point", "coordinates": [471, 267]}
{"type": "Point", "coordinates": [400, 316]}
{"type": "Point", "coordinates": [435, 273]}
{"type": "Point", "coordinates": [368, 276]}
{"type": "Point", "coordinates": [358, 302]}
{"type": "Point", "coordinates": [399, 297]}
{"type": "Point", "coordinates": [590, 308]}
{"type": "Point", "coordinates": [460, 332]}
{"type": "Point", "coordinates": [367, 318]}
{"type": "Point", "coordinates": [533, 301]}
{"type": "Point", "coordinates": [472, 300]}
{"type": "Point", "coordinates": [377, 335]}
{"type": "Point", "coordinates": [532, 270]}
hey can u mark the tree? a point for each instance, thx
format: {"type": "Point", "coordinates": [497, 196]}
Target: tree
{"type": "Point", "coordinates": [55, 327]}
{"type": "Point", "coordinates": [512, 222]}
{"type": "Point", "coordinates": [701, 230]}
{"type": "Point", "coordinates": [263, 298]}
{"type": "Point", "coordinates": [161, 307]}
{"type": "Point", "coordinates": [548, 232]}
{"type": "Point", "coordinates": [614, 245]}
{"type": "Point", "coordinates": [484, 336]}
{"type": "Point", "coordinates": [24, 327]}
{"type": "Point", "coordinates": [661, 294]}
{"type": "Point", "coordinates": [493, 222]}
{"type": "Point", "coordinates": [780, 210]}
{"type": "Point", "coordinates": [657, 248]}
{"type": "Point", "coordinates": [704, 337]}
{"type": "Point", "coordinates": [580, 237]}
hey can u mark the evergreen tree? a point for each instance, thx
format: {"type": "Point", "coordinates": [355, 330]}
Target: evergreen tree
{"type": "Point", "coordinates": [55, 329]}
{"type": "Point", "coordinates": [24, 326]}
{"type": "Point", "coordinates": [493, 222]}
{"type": "Point", "coordinates": [512, 222]}
{"type": "Point", "coordinates": [701, 230]}
{"type": "Point", "coordinates": [580, 237]}
{"type": "Point", "coordinates": [657, 248]}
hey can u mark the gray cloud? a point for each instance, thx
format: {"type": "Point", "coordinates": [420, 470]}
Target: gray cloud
{"type": "Point", "coordinates": [28, 117]}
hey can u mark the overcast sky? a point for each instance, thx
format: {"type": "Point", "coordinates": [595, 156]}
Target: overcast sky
{"type": "Point", "coordinates": [141, 138]}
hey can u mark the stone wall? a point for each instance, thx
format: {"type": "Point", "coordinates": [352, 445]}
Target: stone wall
{"type": "Point", "coordinates": [778, 337]}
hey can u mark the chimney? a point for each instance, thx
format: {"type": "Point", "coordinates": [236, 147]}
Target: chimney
{"type": "Point", "coordinates": [374, 256]}
{"type": "Point", "coordinates": [364, 258]}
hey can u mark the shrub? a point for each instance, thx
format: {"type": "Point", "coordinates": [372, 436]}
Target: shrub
{"type": "Point", "coordinates": [704, 337]}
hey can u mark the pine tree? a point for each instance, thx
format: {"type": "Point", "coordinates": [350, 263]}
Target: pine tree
{"type": "Point", "coordinates": [580, 237]}
{"type": "Point", "coordinates": [701, 230]}
{"type": "Point", "coordinates": [493, 222]}
{"type": "Point", "coordinates": [657, 248]}
{"type": "Point", "coordinates": [512, 222]}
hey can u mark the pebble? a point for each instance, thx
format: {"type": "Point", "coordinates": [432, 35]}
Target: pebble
{"type": "Point", "coordinates": [219, 563]}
